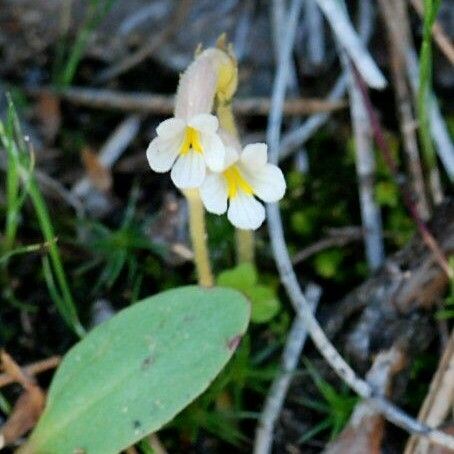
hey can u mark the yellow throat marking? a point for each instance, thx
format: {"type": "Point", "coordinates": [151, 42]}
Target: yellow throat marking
{"type": "Point", "coordinates": [191, 141]}
{"type": "Point", "coordinates": [235, 182]}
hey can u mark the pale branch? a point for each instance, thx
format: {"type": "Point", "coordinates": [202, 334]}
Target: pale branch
{"type": "Point", "coordinates": [313, 23]}
{"type": "Point", "coordinates": [294, 345]}
{"type": "Point", "coordinates": [300, 135]}
{"type": "Point", "coordinates": [365, 170]}
{"type": "Point", "coordinates": [286, 272]}
{"type": "Point", "coordinates": [364, 431]}
{"type": "Point", "coordinates": [164, 105]}
{"type": "Point", "coordinates": [337, 16]}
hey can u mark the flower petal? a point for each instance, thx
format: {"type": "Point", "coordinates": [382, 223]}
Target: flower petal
{"type": "Point", "coordinates": [204, 123]}
{"type": "Point", "coordinates": [254, 155]}
{"type": "Point", "coordinates": [268, 183]}
{"type": "Point", "coordinates": [245, 212]}
{"type": "Point", "coordinates": [231, 156]}
{"type": "Point", "coordinates": [213, 193]}
{"type": "Point", "coordinates": [189, 170]}
{"type": "Point", "coordinates": [161, 154]}
{"type": "Point", "coordinates": [213, 151]}
{"type": "Point", "coordinates": [170, 128]}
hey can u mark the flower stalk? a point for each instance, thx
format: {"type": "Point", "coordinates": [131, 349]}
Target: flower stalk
{"type": "Point", "coordinates": [197, 228]}
{"type": "Point", "coordinates": [244, 239]}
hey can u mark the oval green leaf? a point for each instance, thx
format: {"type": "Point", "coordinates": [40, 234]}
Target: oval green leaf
{"type": "Point", "coordinates": [134, 373]}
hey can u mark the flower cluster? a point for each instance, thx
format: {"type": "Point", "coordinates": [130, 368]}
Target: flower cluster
{"type": "Point", "coordinates": [201, 156]}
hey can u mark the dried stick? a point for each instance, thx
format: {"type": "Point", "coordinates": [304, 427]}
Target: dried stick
{"type": "Point", "coordinates": [150, 47]}
{"type": "Point", "coordinates": [443, 42]}
{"type": "Point", "coordinates": [294, 345]}
{"type": "Point", "coordinates": [439, 400]}
{"type": "Point", "coordinates": [31, 370]}
{"type": "Point", "coordinates": [337, 238]}
{"type": "Point", "coordinates": [114, 147]}
{"type": "Point", "coordinates": [365, 170]}
{"type": "Point", "coordinates": [164, 105]}
{"type": "Point", "coordinates": [288, 277]}
{"type": "Point", "coordinates": [337, 16]}
{"type": "Point", "coordinates": [313, 21]}
{"type": "Point", "coordinates": [300, 135]}
{"type": "Point", "coordinates": [406, 196]}
{"type": "Point", "coordinates": [393, 13]}
{"type": "Point", "coordinates": [297, 137]}
{"type": "Point", "coordinates": [364, 431]}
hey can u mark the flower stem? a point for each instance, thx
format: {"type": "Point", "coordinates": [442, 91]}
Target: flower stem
{"type": "Point", "coordinates": [244, 239]}
{"type": "Point", "coordinates": [226, 118]}
{"type": "Point", "coordinates": [199, 238]}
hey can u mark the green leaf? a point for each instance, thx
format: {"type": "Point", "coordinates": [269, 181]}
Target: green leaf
{"type": "Point", "coordinates": [264, 303]}
{"type": "Point", "coordinates": [134, 373]}
{"type": "Point", "coordinates": [242, 277]}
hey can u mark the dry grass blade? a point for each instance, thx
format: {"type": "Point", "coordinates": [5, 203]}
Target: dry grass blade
{"type": "Point", "coordinates": [439, 400]}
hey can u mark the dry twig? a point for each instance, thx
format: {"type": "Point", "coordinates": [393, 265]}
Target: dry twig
{"type": "Point", "coordinates": [149, 48]}
{"type": "Point", "coordinates": [393, 12]}
{"type": "Point", "coordinates": [365, 170]}
{"type": "Point", "coordinates": [439, 400]}
{"type": "Point", "coordinates": [114, 147]}
{"type": "Point", "coordinates": [164, 105]}
{"type": "Point", "coordinates": [364, 432]}
{"type": "Point", "coordinates": [31, 370]}
{"type": "Point", "coordinates": [276, 395]}
{"type": "Point", "coordinates": [298, 136]}
{"type": "Point", "coordinates": [336, 238]}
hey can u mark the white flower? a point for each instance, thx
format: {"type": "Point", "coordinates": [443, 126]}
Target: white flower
{"type": "Point", "coordinates": [244, 178]}
{"type": "Point", "coordinates": [187, 147]}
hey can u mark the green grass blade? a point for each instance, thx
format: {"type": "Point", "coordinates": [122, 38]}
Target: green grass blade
{"type": "Point", "coordinates": [425, 83]}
